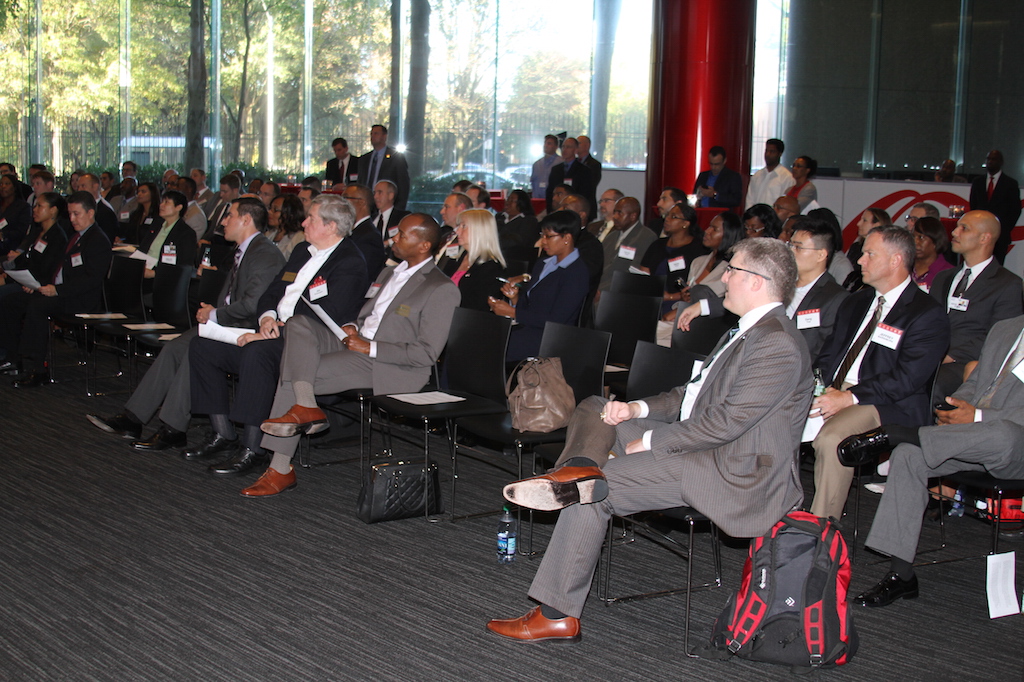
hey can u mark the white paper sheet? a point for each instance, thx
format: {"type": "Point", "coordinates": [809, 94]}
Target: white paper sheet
{"type": "Point", "coordinates": [141, 255]}
{"type": "Point", "coordinates": [102, 316]}
{"type": "Point", "coordinates": [23, 277]}
{"type": "Point", "coordinates": [613, 368]}
{"type": "Point", "coordinates": [427, 398]}
{"type": "Point", "coordinates": [633, 270]}
{"type": "Point", "coordinates": [811, 428]}
{"type": "Point", "coordinates": [169, 337]}
{"type": "Point", "coordinates": [326, 319]}
{"type": "Point", "coordinates": [149, 326]}
{"type": "Point", "coordinates": [1000, 585]}
{"type": "Point", "coordinates": [212, 330]}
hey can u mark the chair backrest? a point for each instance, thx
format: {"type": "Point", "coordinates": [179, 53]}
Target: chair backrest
{"type": "Point", "coordinates": [704, 333]}
{"type": "Point", "coordinates": [629, 318]}
{"type": "Point", "coordinates": [123, 287]}
{"type": "Point", "coordinates": [656, 369]}
{"type": "Point", "coordinates": [475, 353]}
{"type": "Point", "coordinates": [638, 285]}
{"type": "Point", "coordinates": [514, 268]}
{"type": "Point", "coordinates": [584, 353]}
{"type": "Point", "coordinates": [210, 284]}
{"type": "Point", "coordinates": [170, 295]}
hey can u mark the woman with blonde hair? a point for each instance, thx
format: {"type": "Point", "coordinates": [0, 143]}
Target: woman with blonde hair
{"type": "Point", "coordinates": [481, 266]}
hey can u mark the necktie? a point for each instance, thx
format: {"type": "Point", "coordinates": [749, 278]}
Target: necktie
{"type": "Point", "coordinates": [60, 268]}
{"type": "Point", "coordinates": [1015, 358]}
{"type": "Point", "coordinates": [722, 343]}
{"type": "Point", "coordinates": [858, 345]}
{"type": "Point", "coordinates": [380, 227]}
{"type": "Point", "coordinates": [234, 273]}
{"type": "Point", "coordinates": [991, 187]}
{"type": "Point", "coordinates": [608, 225]}
{"type": "Point", "coordinates": [373, 170]}
{"type": "Point", "coordinates": [962, 285]}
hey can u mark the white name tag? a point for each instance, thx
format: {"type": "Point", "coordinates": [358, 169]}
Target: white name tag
{"type": "Point", "coordinates": [373, 290]}
{"type": "Point", "coordinates": [147, 221]}
{"type": "Point", "coordinates": [125, 215]}
{"type": "Point", "coordinates": [317, 291]}
{"type": "Point", "coordinates": [452, 251]}
{"type": "Point", "coordinates": [169, 255]}
{"type": "Point", "coordinates": [207, 263]}
{"type": "Point", "coordinates": [677, 263]}
{"type": "Point", "coordinates": [76, 260]}
{"type": "Point", "coordinates": [392, 232]}
{"type": "Point", "coordinates": [3, 223]}
{"type": "Point", "coordinates": [808, 319]}
{"type": "Point", "coordinates": [40, 246]}
{"type": "Point", "coordinates": [353, 177]}
{"type": "Point", "coordinates": [959, 304]}
{"type": "Point", "coordinates": [627, 252]}
{"type": "Point", "coordinates": [567, 181]}
{"type": "Point", "coordinates": [887, 336]}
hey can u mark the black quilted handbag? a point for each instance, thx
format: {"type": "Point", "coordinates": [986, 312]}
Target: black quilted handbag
{"type": "Point", "coordinates": [397, 489]}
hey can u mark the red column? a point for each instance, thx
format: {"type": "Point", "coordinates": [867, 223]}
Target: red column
{"type": "Point", "coordinates": [702, 82]}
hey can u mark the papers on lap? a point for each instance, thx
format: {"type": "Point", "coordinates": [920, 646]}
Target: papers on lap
{"type": "Point", "coordinates": [216, 332]}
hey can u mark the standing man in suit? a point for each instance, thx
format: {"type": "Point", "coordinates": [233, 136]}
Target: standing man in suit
{"type": "Point", "coordinates": [392, 347]}
{"type": "Point", "coordinates": [975, 296]}
{"type": "Point", "coordinates": [719, 187]}
{"type": "Point", "coordinates": [388, 216]}
{"type": "Point", "coordinates": [726, 444]}
{"type": "Point", "coordinates": [982, 432]}
{"type": "Point", "coordinates": [584, 157]}
{"type": "Point", "coordinates": [329, 274]}
{"type": "Point", "coordinates": [889, 339]}
{"type": "Point", "coordinates": [343, 168]}
{"type": "Point", "coordinates": [999, 194]}
{"type": "Point", "coordinates": [384, 163]}
{"type": "Point", "coordinates": [573, 174]}
{"type": "Point", "coordinates": [542, 167]}
{"type": "Point", "coordinates": [75, 287]}
{"type": "Point", "coordinates": [627, 245]}
{"type": "Point", "coordinates": [165, 387]}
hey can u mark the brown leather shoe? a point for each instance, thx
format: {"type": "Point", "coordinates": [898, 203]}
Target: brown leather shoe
{"type": "Point", "coordinates": [559, 488]}
{"type": "Point", "coordinates": [271, 483]}
{"type": "Point", "coordinates": [534, 627]}
{"type": "Point", "coordinates": [297, 420]}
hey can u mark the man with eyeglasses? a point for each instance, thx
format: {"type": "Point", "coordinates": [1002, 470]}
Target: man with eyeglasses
{"type": "Point", "coordinates": [878, 364]}
{"type": "Point", "coordinates": [918, 211]}
{"type": "Point", "coordinates": [603, 226]}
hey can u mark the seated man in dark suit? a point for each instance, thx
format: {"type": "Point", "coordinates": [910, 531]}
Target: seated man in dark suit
{"type": "Point", "coordinates": [889, 339]}
{"type": "Point", "coordinates": [75, 287]}
{"type": "Point", "coordinates": [981, 432]}
{"type": "Point", "coordinates": [719, 187]}
{"type": "Point", "coordinates": [999, 194]}
{"type": "Point", "coordinates": [726, 444]}
{"type": "Point", "coordinates": [388, 215]}
{"type": "Point", "coordinates": [165, 387]}
{"type": "Point", "coordinates": [975, 296]}
{"type": "Point", "coordinates": [391, 347]}
{"type": "Point", "coordinates": [328, 278]}
{"type": "Point", "coordinates": [365, 234]}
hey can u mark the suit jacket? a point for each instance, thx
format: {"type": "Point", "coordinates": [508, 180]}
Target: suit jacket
{"type": "Point", "coordinates": [897, 382]}
{"type": "Point", "coordinates": [1008, 401]}
{"type": "Point", "coordinates": [740, 443]}
{"type": "Point", "coordinates": [826, 295]}
{"type": "Point", "coordinates": [579, 178]}
{"type": "Point", "coordinates": [396, 217]}
{"type": "Point", "coordinates": [729, 186]}
{"type": "Point", "coordinates": [18, 217]}
{"type": "Point", "coordinates": [183, 239]}
{"type": "Point", "coordinates": [260, 264]}
{"type": "Point", "coordinates": [558, 297]}
{"type": "Point", "coordinates": [339, 177]}
{"type": "Point", "coordinates": [196, 219]}
{"type": "Point", "coordinates": [595, 169]}
{"type": "Point", "coordinates": [393, 167]}
{"type": "Point", "coordinates": [994, 295]}
{"type": "Point", "coordinates": [106, 219]}
{"type": "Point", "coordinates": [479, 282]}
{"type": "Point", "coordinates": [1005, 204]}
{"type": "Point", "coordinates": [640, 237]}
{"type": "Point", "coordinates": [82, 288]}
{"type": "Point", "coordinates": [204, 198]}
{"type": "Point", "coordinates": [366, 237]}
{"type": "Point", "coordinates": [210, 202]}
{"type": "Point", "coordinates": [42, 264]}
{"type": "Point", "coordinates": [413, 330]}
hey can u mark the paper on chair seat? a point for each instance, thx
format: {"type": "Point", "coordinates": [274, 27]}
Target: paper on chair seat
{"type": "Point", "coordinates": [427, 398]}
{"type": "Point", "coordinates": [216, 332]}
{"type": "Point", "coordinates": [169, 337]}
{"type": "Point", "coordinates": [148, 326]}
{"type": "Point", "coordinates": [102, 316]}
{"type": "Point", "coordinates": [613, 368]}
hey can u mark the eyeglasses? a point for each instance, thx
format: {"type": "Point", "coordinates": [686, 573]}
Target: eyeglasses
{"type": "Point", "coordinates": [550, 236]}
{"type": "Point", "coordinates": [797, 247]}
{"type": "Point", "coordinates": [749, 227]}
{"type": "Point", "coordinates": [910, 218]}
{"type": "Point", "coordinates": [733, 268]}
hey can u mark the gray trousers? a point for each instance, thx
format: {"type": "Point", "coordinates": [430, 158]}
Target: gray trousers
{"type": "Point", "coordinates": [167, 384]}
{"type": "Point", "coordinates": [990, 446]}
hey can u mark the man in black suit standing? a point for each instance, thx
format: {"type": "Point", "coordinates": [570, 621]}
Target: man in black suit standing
{"type": "Point", "coordinates": [999, 194]}
{"type": "Point", "coordinates": [384, 163]}
{"type": "Point", "coordinates": [343, 168]}
{"type": "Point", "coordinates": [583, 154]}
{"type": "Point", "coordinates": [573, 174]}
{"type": "Point", "coordinates": [719, 187]}
{"type": "Point", "coordinates": [975, 296]}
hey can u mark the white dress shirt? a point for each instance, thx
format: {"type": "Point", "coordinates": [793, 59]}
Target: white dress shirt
{"type": "Point", "coordinates": [286, 308]}
{"type": "Point", "coordinates": [401, 274]}
{"type": "Point", "coordinates": [767, 186]}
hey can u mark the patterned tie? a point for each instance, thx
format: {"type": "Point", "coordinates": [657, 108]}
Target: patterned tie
{"type": "Point", "coordinates": [234, 273]}
{"type": "Point", "coordinates": [985, 401]}
{"type": "Point", "coordinates": [961, 286]}
{"type": "Point", "coordinates": [722, 343]}
{"type": "Point", "coordinates": [858, 346]}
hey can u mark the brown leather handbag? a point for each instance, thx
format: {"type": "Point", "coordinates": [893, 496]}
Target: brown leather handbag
{"type": "Point", "coordinates": [541, 401]}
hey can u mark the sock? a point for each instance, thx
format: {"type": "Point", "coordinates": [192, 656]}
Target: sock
{"type": "Point", "coordinates": [222, 425]}
{"type": "Point", "coordinates": [579, 462]}
{"type": "Point", "coordinates": [282, 464]}
{"type": "Point", "coordinates": [904, 569]}
{"type": "Point", "coordinates": [551, 613]}
{"type": "Point", "coordinates": [252, 436]}
{"type": "Point", "coordinates": [902, 434]}
{"type": "Point", "coordinates": [304, 395]}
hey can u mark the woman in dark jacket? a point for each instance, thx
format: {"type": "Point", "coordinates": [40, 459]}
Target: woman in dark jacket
{"type": "Point", "coordinates": [42, 250]}
{"type": "Point", "coordinates": [175, 242]}
{"type": "Point", "coordinates": [672, 255]}
{"type": "Point", "coordinates": [145, 219]}
{"type": "Point", "coordinates": [478, 272]}
{"type": "Point", "coordinates": [15, 215]}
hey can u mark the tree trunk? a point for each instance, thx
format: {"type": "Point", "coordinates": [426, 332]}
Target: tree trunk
{"type": "Point", "coordinates": [416, 105]}
{"type": "Point", "coordinates": [243, 85]}
{"type": "Point", "coordinates": [195, 120]}
{"type": "Point", "coordinates": [395, 115]}
{"type": "Point", "coordinates": [606, 16]}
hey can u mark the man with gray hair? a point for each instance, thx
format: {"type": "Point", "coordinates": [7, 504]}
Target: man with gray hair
{"type": "Point", "coordinates": [725, 443]}
{"type": "Point", "coordinates": [921, 210]}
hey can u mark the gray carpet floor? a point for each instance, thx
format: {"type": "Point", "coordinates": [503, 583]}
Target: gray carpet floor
{"type": "Point", "coordinates": [119, 565]}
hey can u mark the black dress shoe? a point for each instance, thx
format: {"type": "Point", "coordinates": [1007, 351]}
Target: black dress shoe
{"type": "Point", "coordinates": [242, 462]}
{"type": "Point", "coordinates": [213, 445]}
{"type": "Point", "coordinates": [119, 424]}
{"type": "Point", "coordinates": [888, 590]}
{"type": "Point", "coordinates": [31, 380]}
{"type": "Point", "coordinates": [9, 367]}
{"type": "Point", "coordinates": [863, 448]}
{"type": "Point", "coordinates": [165, 437]}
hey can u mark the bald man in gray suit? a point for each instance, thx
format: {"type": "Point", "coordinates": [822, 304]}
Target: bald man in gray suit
{"type": "Point", "coordinates": [726, 444]}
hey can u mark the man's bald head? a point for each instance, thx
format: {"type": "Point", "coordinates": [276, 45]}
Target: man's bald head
{"type": "Point", "coordinates": [786, 207]}
{"type": "Point", "coordinates": [975, 236]}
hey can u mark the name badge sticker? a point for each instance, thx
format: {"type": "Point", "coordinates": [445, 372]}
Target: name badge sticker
{"type": "Point", "coordinates": [452, 251]}
{"type": "Point", "coordinates": [147, 221]}
{"type": "Point", "coordinates": [567, 181]}
{"type": "Point", "coordinates": [373, 290]}
{"type": "Point", "coordinates": [76, 260]}
{"type": "Point", "coordinates": [207, 263]}
{"type": "Point", "coordinates": [627, 252]}
{"type": "Point", "coordinates": [317, 289]}
{"type": "Point", "coordinates": [125, 215]}
{"type": "Point", "coordinates": [392, 232]}
{"type": "Point", "coordinates": [3, 223]}
{"type": "Point", "coordinates": [887, 336]}
{"type": "Point", "coordinates": [959, 304]}
{"type": "Point", "coordinates": [808, 319]}
{"type": "Point", "coordinates": [39, 246]}
{"type": "Point", "coordinates": [677, 263]}
{"type": "Point", "coordinates": [169, 255]}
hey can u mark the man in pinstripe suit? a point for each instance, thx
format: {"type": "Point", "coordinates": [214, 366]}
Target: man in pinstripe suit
{"type": "Point", "coordinates": [725, 443]}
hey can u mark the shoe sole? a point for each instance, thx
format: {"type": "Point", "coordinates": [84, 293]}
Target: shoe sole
{"type": "Point", "coordinates": [288, 430]}
{"type": "Point", "coordinates": [555, 640]}
{"type": "Point", "coordinates": [256, 497]}
{"type": "Point", "coordinates": [102, 426]}
{"type": "Point", "coordinates": [874, 605]}
{"type": "Point", "coordinates": [546, 495]}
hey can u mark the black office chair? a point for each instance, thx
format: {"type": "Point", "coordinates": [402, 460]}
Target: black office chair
{"type": "Point", "coordinates": [704, 333]}
{"type": "Point", "coordinates": [628, 318]}
{"type": "Point", "coordinates": [638, 285]}
{"type": "Point", "coordinates": [984, 481]}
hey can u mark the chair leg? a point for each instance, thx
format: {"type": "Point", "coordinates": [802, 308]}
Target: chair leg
{"type": "Point", "coordinates": [996, 518]}
{"type": "Point", "coordinates": [689, 589]}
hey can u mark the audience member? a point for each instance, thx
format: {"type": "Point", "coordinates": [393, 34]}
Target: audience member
{"type": "Point", "coordinates": [173, 243]}
{"type": "Point", "coordinates": [205, 197]}
{"type": "Point", "coordinates": [869, 220]}
{"type": "Point", "coordinates": [918, 211]}
{"type": "Point", "coordinates": [575, 175]}
{"type": "Point", "coordinates": [285, 223]}
{"type": "Point", "coordinates": [772, 181]}
{"type": "Point", "coordinates": [760, 220]}
{"type": "Point", "coordinates": [669, 197]}
{"type": "Point", "coordinates": [365, 234]}
{"type": "Point", "coordinates": [450, 252]}
{"type": "Point", "coordinates": [194, 215]}
{"type": "Point", "coordinates": [719, 187]}
{"type": "Point", "coordinates": [999, 194]}
{"type": "Point", "coordinates": [42, 182]}
{"type": "Point", "coordinates": [932, 244]}
{"type": "Point", "coordinates": [803, 190]}
{"type": "Point", "coordinates": [671, 256]}
{"type": "Point", "coordinates": [625, 247]}
{"type": "Point", "coordinates": [817, 296]}
{"type": "Point", "coordinates": [584, 157]}
{"type": "Point", "coordinates": [15, 215]}
{"type": "Point", "coordinates": [105, 216]}
{"type": "Point", "coordinates": [520, 231]}
{"type": "Point", "coordinates": [343, 168]}
{"type": "Point", "coordinates": [42, 249]}
{"type": "Point", "coordinates": [786, 207]}
{"type": "Point", "coordinates": [306, 196]}
{"type": "Point", "coordinates": [145, 217]}
{"type": "Point", "coordinates": [388, 216]}
{"type": "Point", "coordinates": [840, 268]}
{"type": "Point", "coordinates": [477, 274]}
{"type": "Point", "coordinates": [947, 172]}
{"type": "Point", "coordinates": [267, 191]}
{"type": "Point", "coordinates": [591, 253]}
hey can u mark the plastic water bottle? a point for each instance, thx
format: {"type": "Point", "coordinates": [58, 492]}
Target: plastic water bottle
{"type": "Point", "coordinates": [508, 529]}
{"type": "Point", "coordinates": [819, 383]}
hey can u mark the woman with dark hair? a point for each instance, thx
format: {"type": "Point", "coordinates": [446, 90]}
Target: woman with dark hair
{"type": "Point", "coordinates": [803, 190]}
{"type": "Point", "coordinates": [42, 250]}
{"type": "Point", "coordinates": [174, 243]}
{"type": "Point", "coordinates": [724, 232]}
{"type": "Point", "coordinates": [932, 243]}
{"type": "Point", "coordinates": [760, 220]}
{"type": "Point", "coordinates": [145, 219]}
{"type": "Point", "coordinates": [672, 256]}
{"type": "Point", "coordinates": [15, 215]}
{"type": "Point", "coordinates": [285, 222]}
{"type": "Point", "coordinates": [520, 232]}
{"type": "Point", "coordinates": [555, 292]}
